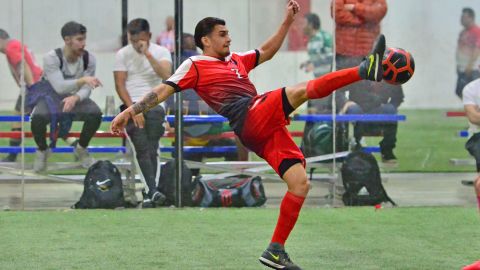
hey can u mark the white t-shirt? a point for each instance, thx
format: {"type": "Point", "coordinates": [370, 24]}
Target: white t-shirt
{"type": "Point", "coordinates": [141, 78]}
{"type": "Point", "coordinates": [471, 96]}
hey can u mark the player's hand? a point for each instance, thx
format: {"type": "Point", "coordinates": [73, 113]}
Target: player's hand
{"type": "Point", "coordinates": [349, 7]}
{"type": "Point", "coordinates": [292, 9]}
{"type": "Point", "coordinates": [69, 103]}
{"type": "Point", "coordinates": [120, 121]}
{"type": "Point", "coordinates": [139, 120]}
{"type": "Point", "coordinates": [92, 82]}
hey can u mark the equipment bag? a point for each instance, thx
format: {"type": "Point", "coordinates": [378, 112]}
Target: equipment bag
{"type": "Point", "coordinates": [167, 183]}
{"type": "Point", "coordinates": [102, 187]}
{"type": "Point", "coordinates": [362, 181]}
{"type": "Point", "coordinates": [236, 191]}
{"type": "Point", "coordinates": [318, 139]}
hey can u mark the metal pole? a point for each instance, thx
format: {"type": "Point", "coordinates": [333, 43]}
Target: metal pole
{"type": "Point", "coordinates": [178, 105]}
{"type": "Point", "coordinates": [124, 22]}
{"type": "Point", "coordinates": [22, 108]}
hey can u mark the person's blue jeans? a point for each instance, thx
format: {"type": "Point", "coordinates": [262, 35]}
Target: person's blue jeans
{"type": "Point", "coordinates": [389, 129]}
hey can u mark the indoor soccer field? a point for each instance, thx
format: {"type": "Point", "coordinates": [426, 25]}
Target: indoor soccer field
{"type": "Point", "coordinates": [325, 238]}
{"type": "Point", "coordinates": [407, 71]}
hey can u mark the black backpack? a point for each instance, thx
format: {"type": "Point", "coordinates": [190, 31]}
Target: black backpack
{"type": "Point", "coordinates": [85, 57]}
{"type": "Point", "coordinates": [167, 183]}
{"type": "Point", "coordinates": [362, 181]}
{"type": "Point", "coordinates": [236, 191]}
{"type": "Point", "coordinates": [318, 138]}
{"type": "Point", "coordinates": [102, 187]}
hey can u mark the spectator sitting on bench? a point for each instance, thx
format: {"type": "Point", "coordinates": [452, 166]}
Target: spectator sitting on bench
{"type": "Point", "coordinates": [381, 98]}
{"type": "Point", "coordinates": [68, 81]}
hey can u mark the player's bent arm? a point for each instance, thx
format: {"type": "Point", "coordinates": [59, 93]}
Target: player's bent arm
{"type": "Point", "coordinates": [120, 82]}
{"type": "Point", "coordinates": [273, 44]}
{"type": "Point", "coordinates": [150, 100]}
{"type": "Point", "coordinates": [473, 113]}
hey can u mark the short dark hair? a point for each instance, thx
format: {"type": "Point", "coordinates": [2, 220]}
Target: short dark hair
{"type": "Point", "coordinates": [313, 19]}
{"type": "Point", "coordinates": [204, 28]}
{"type": "Point", "coordinates": [469, 12]}
{"type": "Point", "coordinates": [4, 34]}
{"type": "Point", "coordinates": [138, 25]}
{"type": "Point", "coordinates": [73, 28]}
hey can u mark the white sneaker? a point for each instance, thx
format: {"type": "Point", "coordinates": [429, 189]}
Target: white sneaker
{"type": "Point", "coordinates": [40, 164]}
{"type": "Point", "coordinates": [81, 154]}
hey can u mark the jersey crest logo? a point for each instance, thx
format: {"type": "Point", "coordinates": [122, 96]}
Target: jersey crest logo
{"type": "Point", "coordinates": [238, 73]}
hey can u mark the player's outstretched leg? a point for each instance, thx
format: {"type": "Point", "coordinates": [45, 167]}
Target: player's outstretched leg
{"type": "Point", "coordinates": [369, 69]}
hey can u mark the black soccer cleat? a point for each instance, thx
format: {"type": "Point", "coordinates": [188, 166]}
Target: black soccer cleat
{"type": "Point", "coordinates": [158, 198]}
{"type": "Point", "coordinates": [277, 259]}
{"type": "Point", "coordinates": [371, 67]}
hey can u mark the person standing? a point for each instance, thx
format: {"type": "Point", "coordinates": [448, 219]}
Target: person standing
{"type": "Point", "coordinates": [357, 25]}
{"type": "Point", "coordinates": [468, 51]}
{"type": "Point", "coordinates": [167, 37]}
{"type": "Point", "coordinates": [139, 67]}
{"type": "Point", "coordinates": [471, 104]}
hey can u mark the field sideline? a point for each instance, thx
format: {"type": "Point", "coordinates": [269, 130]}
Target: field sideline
{"type": "Point", "coordinates": [324, 238]}
{"type": "Point", "coordinates": [426, 141]}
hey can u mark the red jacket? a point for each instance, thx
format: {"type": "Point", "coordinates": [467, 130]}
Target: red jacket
{"type": "Point", "coordinates": [356, 30]}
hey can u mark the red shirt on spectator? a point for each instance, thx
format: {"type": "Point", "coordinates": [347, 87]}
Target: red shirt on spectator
{"type": "Point", "coordinates": [468, 42]}
{"type": "Point", "coordinates": [13, 51]}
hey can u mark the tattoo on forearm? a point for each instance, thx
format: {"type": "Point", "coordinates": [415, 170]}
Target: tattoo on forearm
{"type": "Point", "coordinates": [149, 101]}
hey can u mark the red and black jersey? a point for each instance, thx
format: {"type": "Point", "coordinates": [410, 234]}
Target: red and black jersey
{"type": "Point", "coordinates": [223, 84]}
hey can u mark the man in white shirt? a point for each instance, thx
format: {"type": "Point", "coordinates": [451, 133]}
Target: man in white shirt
{"type": "Point", "coordinates": [139, 67]}
{"type": "Point", "coordinates": [471, 102]}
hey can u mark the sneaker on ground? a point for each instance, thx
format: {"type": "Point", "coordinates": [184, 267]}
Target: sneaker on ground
{"type": "Point", "coordinates": [275, 257]}
{"type": "Point", "coordinates": [81, 154]}
{"type": "Point", "coordinates": [147, 203]}
{"type": "Point", "coordinates": [158, 198]}
{"type": "Point", "coordinates": [388, 156]}
{"type": "Point", "coordinates": [10, 158]}
{"type": "Point", "coordinates": [40, 163]}
{"type": "Point", "coordinates": [371, 67]}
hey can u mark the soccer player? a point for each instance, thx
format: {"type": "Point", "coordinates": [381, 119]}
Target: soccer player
{"type": "Point", "coordinates": [221, 79]}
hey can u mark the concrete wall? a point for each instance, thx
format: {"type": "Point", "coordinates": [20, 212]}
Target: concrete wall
{"type": "Point", "coordinates": [427, 28]}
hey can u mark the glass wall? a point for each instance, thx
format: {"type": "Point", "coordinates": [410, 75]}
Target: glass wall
{"type": "Point", "coordinates": [408, 128]}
